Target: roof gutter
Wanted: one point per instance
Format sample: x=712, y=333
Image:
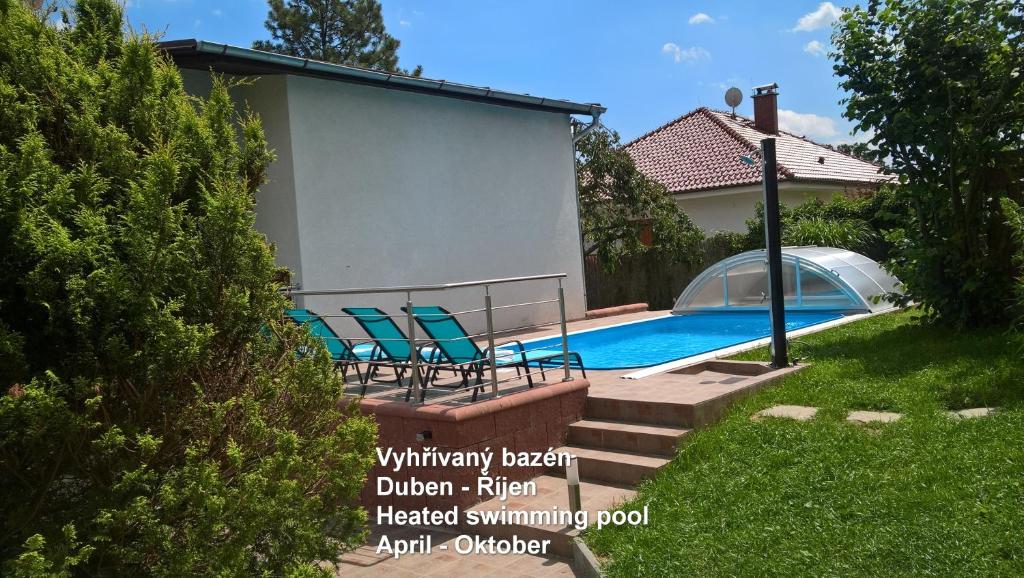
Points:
x=291, y=64
x=595, y=121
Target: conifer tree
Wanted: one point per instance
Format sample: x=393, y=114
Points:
x=154, y=416
x=339, y=31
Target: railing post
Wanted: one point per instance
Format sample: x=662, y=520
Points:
x=565, y=336
x=490, y=341
x=414, y=360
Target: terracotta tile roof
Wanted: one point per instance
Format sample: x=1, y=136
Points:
x=701, y=150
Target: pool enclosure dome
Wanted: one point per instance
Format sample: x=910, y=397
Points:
x=814, y=278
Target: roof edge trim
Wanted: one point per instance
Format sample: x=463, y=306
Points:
x=282, y=63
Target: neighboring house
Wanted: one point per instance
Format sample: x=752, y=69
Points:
x=697, y=158
x=386, y=180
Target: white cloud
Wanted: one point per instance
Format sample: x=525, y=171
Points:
x=701, y=18
x=850, y=138
x=691, y=54
x=718, y=85
x=807, y=124
x=823, y=17
x=815, y=48
x=217, y=12
x=404, y=23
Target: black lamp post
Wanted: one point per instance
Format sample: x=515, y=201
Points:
x=773, y=248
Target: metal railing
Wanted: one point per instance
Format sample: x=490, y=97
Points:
x=488, y=309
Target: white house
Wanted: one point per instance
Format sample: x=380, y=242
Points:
x=697, y=158
x=386, y=180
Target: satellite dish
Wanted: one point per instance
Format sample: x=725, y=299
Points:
x=733, y=98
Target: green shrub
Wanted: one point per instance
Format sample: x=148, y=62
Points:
x=154, y=419
x=1015, y=218
x=859, y=224
x=731, y=242
x=852, y=234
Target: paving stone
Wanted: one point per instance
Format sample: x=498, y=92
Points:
x=797, y=412
x=873, y=416
x=972, y=412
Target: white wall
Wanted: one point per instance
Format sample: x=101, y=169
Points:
x=276, y=208
x=398, y=188
x=729, y=211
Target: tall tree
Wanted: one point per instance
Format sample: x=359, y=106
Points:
x=618, y=203
x=941, y=84
x=339, y=31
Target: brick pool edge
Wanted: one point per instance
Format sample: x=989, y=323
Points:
x=531, y=420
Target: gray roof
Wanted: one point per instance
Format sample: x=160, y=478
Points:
x=203, y=55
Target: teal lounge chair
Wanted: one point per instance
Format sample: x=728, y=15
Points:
x=344, y=353
x=455, y=347
x=391, y=348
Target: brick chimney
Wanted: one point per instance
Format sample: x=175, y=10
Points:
x=766, y=108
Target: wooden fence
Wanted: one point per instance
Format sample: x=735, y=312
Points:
x=649, y=278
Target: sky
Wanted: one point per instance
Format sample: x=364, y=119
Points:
x=648, y=62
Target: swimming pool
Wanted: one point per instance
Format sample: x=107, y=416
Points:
x=665, y=339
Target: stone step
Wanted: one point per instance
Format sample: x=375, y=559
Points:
x=552, y=493
x=625, y=436
x=613, y=466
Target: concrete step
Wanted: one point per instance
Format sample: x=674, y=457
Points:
x=625, y=436
x=613, y=466
x=672, y=414
x=552, y=493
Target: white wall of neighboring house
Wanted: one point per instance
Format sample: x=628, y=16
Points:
x=729, y=209
x=375, y=187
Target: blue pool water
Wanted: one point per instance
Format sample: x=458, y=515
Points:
x=665, y=339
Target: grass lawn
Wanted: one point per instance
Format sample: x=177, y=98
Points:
x=923, y=496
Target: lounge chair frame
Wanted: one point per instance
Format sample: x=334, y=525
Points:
x=347, y=358
x=384, y=356
x=481, y=357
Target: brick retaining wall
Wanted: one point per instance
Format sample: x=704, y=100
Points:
x=531, y=420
